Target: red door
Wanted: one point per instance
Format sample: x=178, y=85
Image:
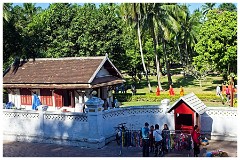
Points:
x=58, y=98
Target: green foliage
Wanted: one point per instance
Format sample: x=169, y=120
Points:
x=218, y=41
x=227, y=7
x=69, y=30
x=151, y=97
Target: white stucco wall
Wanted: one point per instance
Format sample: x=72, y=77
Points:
x=74, y=128
x=220, y=121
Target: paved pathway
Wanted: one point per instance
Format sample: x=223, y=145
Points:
x=24, y=149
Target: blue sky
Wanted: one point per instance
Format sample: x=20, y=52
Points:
x=192, y=6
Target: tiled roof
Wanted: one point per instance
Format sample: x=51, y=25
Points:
x=193, y=102
x=73, y=70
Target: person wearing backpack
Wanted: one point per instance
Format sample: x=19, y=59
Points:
x=157, y=135
x=145, y=140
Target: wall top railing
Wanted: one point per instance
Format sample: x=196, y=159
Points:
x=48, y=115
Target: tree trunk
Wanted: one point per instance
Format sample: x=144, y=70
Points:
x=167, y=63
x=186, y=51
x=156, y=58
x=178, y=48
x=200, y=83
x=144, y=66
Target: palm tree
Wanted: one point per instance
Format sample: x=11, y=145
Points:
x=167, y=26
x=207, y=7
x=160, y=24
x=133, y=12
x=6, y=12
x=151, y=21
x=187, y=35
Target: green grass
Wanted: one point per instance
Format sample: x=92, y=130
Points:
x=189, y=84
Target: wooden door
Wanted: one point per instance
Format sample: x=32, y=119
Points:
x=58, y=98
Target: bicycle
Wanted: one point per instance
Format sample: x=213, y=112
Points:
x=120, y=131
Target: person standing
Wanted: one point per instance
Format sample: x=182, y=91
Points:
x=145, y=140
x=158, y=91
x=181, y=91
x=166, y=138
x=110, y=97
x=157, y=135
x=196, y=140
x=228, y=94
x=151, y=140
x=219, y=93
x=171, y=91
x=218, y=90
x=223, y=88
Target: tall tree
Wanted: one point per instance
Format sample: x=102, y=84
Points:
x=151, y=19
x=207, y=7
x=7, y=11
x=218, y=42
x=227, y=7
x=167, y=26
x=133, y=12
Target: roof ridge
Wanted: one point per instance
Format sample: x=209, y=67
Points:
x=68, y=58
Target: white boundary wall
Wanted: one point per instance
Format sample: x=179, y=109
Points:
x=95, y=128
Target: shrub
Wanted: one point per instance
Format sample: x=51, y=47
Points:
x=151, y=97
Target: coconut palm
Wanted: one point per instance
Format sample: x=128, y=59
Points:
x=162, y=24
x=6, y=12
x=188, y=33
x=133, y=12
x=151, y=21
x=207, y=7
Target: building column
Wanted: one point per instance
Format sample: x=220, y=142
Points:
x=72, y=99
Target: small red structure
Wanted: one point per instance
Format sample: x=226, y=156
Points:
x=158, y=91
x=187, y=112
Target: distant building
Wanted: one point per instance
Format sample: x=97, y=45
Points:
x=60, y=82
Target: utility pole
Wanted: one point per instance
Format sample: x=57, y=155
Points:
x=232, y=88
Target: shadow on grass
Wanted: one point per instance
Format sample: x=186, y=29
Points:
x=184, y=82
x=217, y=82
x=209, y=88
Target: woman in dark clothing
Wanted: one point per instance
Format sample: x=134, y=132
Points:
x=166, y=138
x=196, y=140
x=151, y=140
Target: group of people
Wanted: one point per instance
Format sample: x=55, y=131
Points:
x=153, y=138
x=171, y=91
x=225, y=90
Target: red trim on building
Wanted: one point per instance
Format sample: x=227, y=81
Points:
x=46, y=97
x=26, y=96
x=58, y=98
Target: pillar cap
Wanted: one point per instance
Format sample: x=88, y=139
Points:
x=94, y=101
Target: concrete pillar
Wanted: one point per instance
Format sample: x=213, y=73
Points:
x=94, y=110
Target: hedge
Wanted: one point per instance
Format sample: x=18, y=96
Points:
x=151, y=97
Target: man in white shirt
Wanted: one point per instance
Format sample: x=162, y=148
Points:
x=218, y=92
x=157, y=135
